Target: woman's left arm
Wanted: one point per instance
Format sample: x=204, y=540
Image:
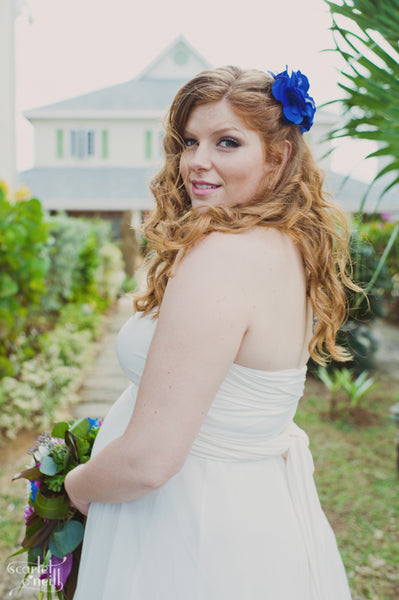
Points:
x=204, y=316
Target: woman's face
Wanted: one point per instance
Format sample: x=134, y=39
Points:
x=223, y=162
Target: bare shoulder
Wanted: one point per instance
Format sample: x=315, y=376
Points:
x=212, y=273
x=218, y=245
x=217, y=254
x=226, y=250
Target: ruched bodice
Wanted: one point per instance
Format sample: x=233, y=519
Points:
x=240, y=520
x=250, y=407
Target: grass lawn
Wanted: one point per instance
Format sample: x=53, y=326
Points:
x=355, y=476
x=359, y=486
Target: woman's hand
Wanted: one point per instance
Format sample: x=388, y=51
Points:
x=70, y=487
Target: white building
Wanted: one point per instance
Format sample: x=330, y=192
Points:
x=7, y=95
x=96, y=153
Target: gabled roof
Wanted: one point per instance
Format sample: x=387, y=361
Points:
x=179, y=60
x=90, y=188
x=134, y=95
x=152, y=90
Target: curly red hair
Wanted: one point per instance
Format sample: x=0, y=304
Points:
x=293, y=202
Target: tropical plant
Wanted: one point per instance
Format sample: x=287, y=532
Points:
x=342, y=381
x=366, y=34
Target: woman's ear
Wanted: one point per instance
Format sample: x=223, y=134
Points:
x=287, y=151
x=283, y=158
x=275, y=168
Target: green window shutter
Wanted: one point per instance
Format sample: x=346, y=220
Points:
x=104, y=140
x=148, y=144
x=60, y=143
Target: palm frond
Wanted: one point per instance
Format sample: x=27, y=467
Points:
x=366, y=34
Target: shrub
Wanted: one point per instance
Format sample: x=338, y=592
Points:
x=80, y=254
x=377, y=232
x=110, y=274
x=48, y=382
x=57, y=274
x=365, y=260
x=24, y=264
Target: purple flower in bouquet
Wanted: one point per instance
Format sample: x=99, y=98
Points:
x=28, y=511
x=58, y=570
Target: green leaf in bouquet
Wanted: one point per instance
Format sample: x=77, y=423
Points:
x=59, y=429
x=34, y=553
x=61, y=455
x=80, y=428
x=37, y=531
x=56, y=482
x=32, y=473
x=83, y=449
x=20, y=551
x=55, y=507
x=66, y=537
x=70, y=441
x=48, y=466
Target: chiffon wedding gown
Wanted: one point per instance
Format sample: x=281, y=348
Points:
x=240, y=521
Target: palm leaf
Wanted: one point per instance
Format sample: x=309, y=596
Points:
x=367, y=40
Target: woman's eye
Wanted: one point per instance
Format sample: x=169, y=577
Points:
x=229, y=143
x=189, y=142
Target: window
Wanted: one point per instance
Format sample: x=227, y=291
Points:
x=90, y=143
x=82, y=143
x=148, y=144
x=60, y=143
x=104, y=144
x=160, y=143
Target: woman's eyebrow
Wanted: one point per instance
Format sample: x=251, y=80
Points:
x=219, y=131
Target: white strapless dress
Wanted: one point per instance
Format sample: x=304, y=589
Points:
x=240, y=521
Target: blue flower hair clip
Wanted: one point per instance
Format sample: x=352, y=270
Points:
x=292, y=91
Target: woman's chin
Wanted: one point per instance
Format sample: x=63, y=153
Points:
x=203, y=206
x=200, y=207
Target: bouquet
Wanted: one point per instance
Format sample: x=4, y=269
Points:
x=54, y=528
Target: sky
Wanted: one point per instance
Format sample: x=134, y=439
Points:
x=65, y=48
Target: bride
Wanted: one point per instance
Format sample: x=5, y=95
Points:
x=200, y=486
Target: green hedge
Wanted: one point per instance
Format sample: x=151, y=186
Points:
x=49, y=381
x=57, y=276
x=377, y=232
x=24, y=264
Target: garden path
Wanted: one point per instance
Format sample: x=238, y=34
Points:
x=106, y=380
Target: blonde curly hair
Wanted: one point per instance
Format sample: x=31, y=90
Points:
x=293, y=201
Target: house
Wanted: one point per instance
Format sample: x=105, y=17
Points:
x=95, y=154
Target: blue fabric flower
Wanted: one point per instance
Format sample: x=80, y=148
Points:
x=292, y=91
x=93, y=423
x=34, y=486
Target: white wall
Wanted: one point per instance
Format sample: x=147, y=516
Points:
x=126, y=142
x=7, y=95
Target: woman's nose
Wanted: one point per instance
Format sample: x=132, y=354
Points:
x=200, y=158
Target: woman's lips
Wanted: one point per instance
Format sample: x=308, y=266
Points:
x=203, y=188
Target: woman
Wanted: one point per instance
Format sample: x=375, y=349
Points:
x=200, y=486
